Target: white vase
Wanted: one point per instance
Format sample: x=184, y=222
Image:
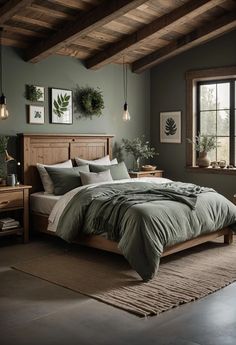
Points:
x=203, y=160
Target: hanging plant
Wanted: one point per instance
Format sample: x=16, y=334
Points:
x=89, y=101
x=34, y=93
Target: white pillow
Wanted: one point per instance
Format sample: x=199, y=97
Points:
x=89, y=178
x=114, y=161
x=101, y=161
x=46, y=179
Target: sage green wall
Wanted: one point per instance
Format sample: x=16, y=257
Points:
x=67, y=72
x=168, y=93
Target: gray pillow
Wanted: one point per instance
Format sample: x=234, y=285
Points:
x=92, y=177
x=66, y=179
x=118, y=171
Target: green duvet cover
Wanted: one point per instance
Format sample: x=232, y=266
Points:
x=145, y=217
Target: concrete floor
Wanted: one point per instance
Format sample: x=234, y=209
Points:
x=34, y=311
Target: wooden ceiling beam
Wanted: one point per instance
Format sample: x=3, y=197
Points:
x=82, y=25
x=11, y=7
x=203, y=34
x=158, y=26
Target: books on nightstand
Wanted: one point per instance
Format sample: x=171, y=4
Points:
x=8, y=224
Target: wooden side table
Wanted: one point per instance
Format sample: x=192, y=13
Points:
x=151, y=173
x=12, y=199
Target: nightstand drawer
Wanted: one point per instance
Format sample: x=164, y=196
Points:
x=11, y=199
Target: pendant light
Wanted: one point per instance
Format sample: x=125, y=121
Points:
x=3, y=102
x=126, y=114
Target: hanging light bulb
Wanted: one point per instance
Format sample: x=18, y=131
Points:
x=3, y=103
x=3, y=108
x=126, y=114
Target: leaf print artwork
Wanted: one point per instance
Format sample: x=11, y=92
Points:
x=170, y=127
x=61, y=104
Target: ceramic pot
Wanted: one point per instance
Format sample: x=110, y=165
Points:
x=203, y=161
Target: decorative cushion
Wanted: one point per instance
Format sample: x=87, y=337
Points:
x=92, y=177
x=45, y=178
x=66, y=179
x=114, y=161
x=104, y=161
x=118, y=171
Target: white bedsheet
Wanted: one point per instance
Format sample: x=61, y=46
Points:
x=43, y=203
x=63, y=201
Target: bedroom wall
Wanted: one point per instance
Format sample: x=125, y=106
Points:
x=67, y=72
x=168, y=93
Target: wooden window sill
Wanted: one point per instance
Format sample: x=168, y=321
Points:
x=210, y=170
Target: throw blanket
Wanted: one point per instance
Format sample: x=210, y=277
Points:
x=145, y=217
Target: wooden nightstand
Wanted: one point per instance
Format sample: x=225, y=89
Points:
x=152, y=173
x=15, y=200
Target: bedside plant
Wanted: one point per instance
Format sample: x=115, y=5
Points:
x=203, y=144
x=3, y=148
x=139, y=148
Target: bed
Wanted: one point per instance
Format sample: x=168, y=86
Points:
x=54, y=148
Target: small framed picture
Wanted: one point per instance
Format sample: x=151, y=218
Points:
x=35, y=93
x=170, y=127
x=36, y=114
x=61, y=106
x=41, y=93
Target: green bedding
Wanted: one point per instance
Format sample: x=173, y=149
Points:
x=145, y=217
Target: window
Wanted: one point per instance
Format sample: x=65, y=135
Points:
x=216, y=116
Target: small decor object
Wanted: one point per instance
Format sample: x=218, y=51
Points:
x=170, y=127
x=35, y=93
x=148, y=167
x=222, y=163
x=11, y=179
x=89, y=101
x=139, y=148
x=36, y=114
x=203, y=144
x=61, y=106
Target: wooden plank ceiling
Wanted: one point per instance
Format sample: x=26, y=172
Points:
x=142, y=33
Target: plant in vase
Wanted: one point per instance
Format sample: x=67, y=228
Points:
x=204, y=144
x=139, y=148
x=3, y=150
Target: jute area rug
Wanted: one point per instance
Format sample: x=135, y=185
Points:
x=107, y=277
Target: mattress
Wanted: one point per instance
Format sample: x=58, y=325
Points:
x=43, y=203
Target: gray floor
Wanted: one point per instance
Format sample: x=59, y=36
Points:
x=34, y=311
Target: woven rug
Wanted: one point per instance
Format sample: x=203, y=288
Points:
x=107, y=277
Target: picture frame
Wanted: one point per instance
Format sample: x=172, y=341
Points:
x=36, y=114
x=61, y=106
x=170, y=127
x=35, y=93
x=42, y=91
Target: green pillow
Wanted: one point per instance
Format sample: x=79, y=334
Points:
x=118, y=171
x=66, y=179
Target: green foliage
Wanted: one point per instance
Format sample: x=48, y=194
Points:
x=170, y=126
x=33, y=93
x=89, y=101
x=204, y=143
x=139, y=148
x=3, y=143
x=61, y=104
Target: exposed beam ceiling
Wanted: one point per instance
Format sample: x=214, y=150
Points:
x=206, y=32
x=158, y=26
x=82, y=25
x=11, y=7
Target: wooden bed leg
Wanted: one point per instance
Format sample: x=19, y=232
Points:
x=228, y=239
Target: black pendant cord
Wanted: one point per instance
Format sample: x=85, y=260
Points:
x=1, y=59
x=125, y=80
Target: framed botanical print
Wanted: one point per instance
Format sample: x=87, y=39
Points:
x=170, y=127
x=61, y=107
x=36, y=114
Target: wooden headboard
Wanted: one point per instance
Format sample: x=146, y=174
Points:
x=57, y=148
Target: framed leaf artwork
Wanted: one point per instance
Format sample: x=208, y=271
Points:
x=170, y=127
x=61, y=107
x=36, y=114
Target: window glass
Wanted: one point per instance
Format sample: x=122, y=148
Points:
x=223, y=96
x=208, y=97
x=208, y=122
x=223, y=122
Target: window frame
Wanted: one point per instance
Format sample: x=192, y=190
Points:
x=192, y=78
x=232, y=134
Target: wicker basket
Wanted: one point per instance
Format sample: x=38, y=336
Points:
x=148, y=167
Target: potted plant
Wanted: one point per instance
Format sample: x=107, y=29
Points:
x=203, y=144
x=3, y=148
x=139, y=148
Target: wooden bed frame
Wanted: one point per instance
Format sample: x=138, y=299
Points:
x=56, y=148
